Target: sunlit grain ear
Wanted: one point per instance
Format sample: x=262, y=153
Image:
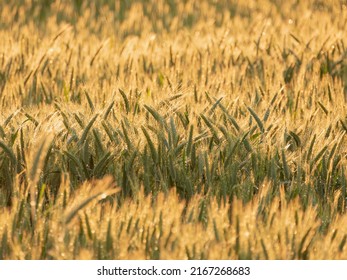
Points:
x=35, y=165
x=94, y=191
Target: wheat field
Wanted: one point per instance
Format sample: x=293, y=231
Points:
x=173, y=129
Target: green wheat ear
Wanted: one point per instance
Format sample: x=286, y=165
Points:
x=37, y=158
x=9, y=152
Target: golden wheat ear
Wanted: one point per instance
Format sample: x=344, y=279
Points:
x=94, y=191
x=37, y=158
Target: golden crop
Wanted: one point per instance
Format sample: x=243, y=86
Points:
x=173, y=129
